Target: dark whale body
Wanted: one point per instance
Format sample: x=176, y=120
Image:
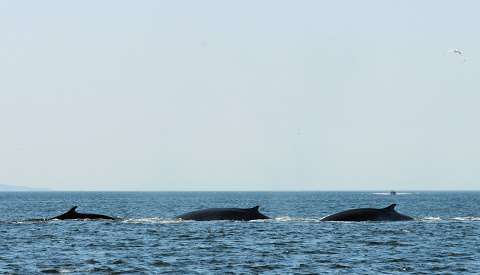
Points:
x=73, y=214
x=369, y=214
x=235, y=214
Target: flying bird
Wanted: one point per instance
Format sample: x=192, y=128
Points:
x=459, y=53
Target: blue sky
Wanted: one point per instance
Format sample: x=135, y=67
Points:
x=248, y=95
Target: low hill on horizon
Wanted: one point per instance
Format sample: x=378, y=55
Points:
x=4, y=187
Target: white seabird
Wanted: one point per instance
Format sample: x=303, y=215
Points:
x=459, y=53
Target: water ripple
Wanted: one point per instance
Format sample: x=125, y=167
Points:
x=151, y=240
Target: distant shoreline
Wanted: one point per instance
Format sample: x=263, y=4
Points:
x=17, y=188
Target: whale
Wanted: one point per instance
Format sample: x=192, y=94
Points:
x=72, y=214
x=234, y=214
x=369, y=214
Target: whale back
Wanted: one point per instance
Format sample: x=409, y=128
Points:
x=240, y=214
x=368, y=214
x=73, y=214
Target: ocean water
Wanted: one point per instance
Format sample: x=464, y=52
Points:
x=444, y=238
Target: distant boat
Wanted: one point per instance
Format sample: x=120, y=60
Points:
x=393, y=193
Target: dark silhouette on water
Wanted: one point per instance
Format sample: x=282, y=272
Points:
x=236, y=214
x=369, y=214
x=73, y=214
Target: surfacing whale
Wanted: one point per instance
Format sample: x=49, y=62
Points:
x=73, y=214
x=369, y=214
x=235, y=214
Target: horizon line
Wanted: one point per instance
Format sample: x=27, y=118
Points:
x=260, y=190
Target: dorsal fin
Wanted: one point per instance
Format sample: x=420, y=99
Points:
x=72, y=210
x=255, y=208
x=391, y=207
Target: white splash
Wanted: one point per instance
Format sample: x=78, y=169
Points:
x=293, y=219
x=153, y=220
x=431, y=219
x=466, y=218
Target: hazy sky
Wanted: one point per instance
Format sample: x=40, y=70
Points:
x=239, y=95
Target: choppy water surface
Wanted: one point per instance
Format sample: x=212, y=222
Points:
x=444, y=238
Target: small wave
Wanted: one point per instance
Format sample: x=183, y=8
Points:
x=56, y=271
x=294, y=219
x=466, y=219
x=30, y=221
x=152, y=220
x=431, y=219
x=463, y=219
